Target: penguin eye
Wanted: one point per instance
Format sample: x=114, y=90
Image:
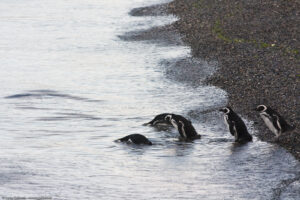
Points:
x=260, y=108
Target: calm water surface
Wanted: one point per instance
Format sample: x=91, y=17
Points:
x=69, y=87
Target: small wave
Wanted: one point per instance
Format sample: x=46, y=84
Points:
x=53, y=118
x=69, y=116
x=41, y=91
x=79, y=115
x=49, y=93
x=31, y=108
x=19, y=96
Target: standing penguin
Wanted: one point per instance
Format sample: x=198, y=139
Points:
x=236, y=126
x=184, y=127
x=273, y=120
x=135, y=139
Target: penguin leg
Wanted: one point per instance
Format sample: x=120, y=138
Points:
x=276, y=138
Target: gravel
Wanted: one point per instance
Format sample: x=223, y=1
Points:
x=256, y=45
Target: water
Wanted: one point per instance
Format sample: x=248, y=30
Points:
x=70, y=86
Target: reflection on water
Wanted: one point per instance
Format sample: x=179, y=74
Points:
x=71, y=86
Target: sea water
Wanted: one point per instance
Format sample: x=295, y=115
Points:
x=70, y=86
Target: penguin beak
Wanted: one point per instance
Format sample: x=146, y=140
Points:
x=221, y=110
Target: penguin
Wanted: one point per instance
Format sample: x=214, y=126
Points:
x=184, y=127
x=135, y=139
x=273, y=120
x=159, y=120
x=236, y=126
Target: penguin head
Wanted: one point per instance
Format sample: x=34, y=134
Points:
x=261, y=108
x=168, y=118
x=226, y=110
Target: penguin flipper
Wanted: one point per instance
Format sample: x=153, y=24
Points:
x=277, y=122
x=285, y=126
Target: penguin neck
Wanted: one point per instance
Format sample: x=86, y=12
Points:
x=173, y=122
x=235, y=133
x=183, y=130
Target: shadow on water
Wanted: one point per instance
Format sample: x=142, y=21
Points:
x=155, y=10
x=220, y=140
x=134, y=149
x=238, y=147
x=190, y=70
x=160, y=35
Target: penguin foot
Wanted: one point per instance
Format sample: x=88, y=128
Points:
x=276, y=139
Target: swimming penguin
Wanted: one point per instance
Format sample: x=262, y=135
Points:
x=135, y=139
x=236, y=126
x=159, y=120
x=184, y=127
x=273, y=120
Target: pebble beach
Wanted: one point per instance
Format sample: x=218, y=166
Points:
x=256, y=46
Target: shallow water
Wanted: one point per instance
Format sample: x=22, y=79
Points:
x=70, y=86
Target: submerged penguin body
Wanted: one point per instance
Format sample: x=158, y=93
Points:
x=135, y=139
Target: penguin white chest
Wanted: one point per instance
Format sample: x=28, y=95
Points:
x=183, y=131
x=226, y=121
x=269, y=123
x=235, y=133
x=173, y=122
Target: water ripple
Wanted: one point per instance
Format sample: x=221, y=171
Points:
x=49, y=94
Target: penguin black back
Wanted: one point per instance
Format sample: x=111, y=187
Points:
x=236, y=125
x=136, y=139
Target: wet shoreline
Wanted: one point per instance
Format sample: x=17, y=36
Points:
x=244, y=39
